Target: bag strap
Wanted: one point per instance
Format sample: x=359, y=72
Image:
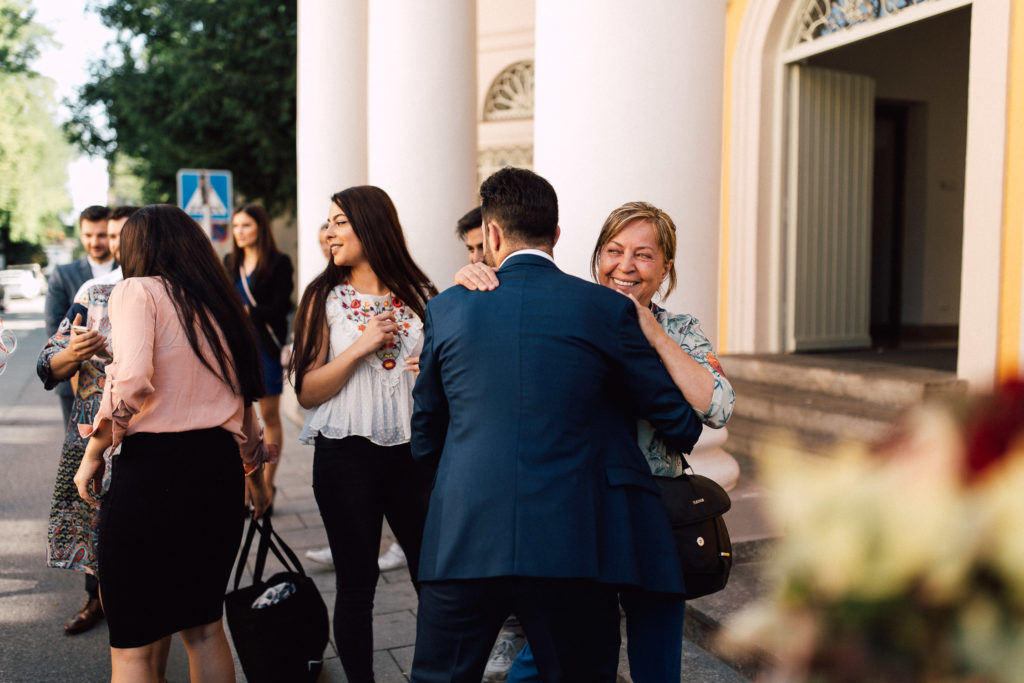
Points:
x=244, y=555
x=252, y=302
x=269, y=541
x=245, y=285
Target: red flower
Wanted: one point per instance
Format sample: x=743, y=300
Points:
x=355, y=303
x=389, y=363
x=712, y=360
x=396, y=302
x=995, y=425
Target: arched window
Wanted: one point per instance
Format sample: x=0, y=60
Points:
x=820, y=18
x=511, y=94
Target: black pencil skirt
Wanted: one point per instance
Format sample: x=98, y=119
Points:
x=169, y=533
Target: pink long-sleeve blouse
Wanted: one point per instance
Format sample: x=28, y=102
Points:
x=156, y=383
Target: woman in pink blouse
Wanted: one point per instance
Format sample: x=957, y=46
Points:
x=179, y=400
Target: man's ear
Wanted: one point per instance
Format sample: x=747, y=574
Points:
x=494, y=235
x=558, y=233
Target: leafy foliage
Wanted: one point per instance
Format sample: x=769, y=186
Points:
x=33, y=152
x=20, y=37
x=196, y=84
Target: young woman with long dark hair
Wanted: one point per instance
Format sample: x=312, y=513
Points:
x=179, y=399
x=263, y=277
x=356, y=325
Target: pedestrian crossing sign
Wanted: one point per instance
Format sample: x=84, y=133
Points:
x=205, y=194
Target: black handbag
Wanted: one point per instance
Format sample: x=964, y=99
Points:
x=279, y=626
x=695, y=506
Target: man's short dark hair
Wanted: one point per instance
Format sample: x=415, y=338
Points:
x=123, y=211
x=471, y=220
x=94, y=213
x=523, y=204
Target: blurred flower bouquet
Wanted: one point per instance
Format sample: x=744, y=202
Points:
x=900, y=563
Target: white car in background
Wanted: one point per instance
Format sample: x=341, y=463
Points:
x=20, y=284
x=35, y=269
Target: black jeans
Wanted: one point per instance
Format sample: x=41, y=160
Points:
x=357, y=483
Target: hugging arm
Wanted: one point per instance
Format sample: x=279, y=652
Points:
x=651, y=390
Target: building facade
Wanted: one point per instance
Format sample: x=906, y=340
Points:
x=841, y=172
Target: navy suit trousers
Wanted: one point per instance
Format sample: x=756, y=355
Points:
x=572, y=625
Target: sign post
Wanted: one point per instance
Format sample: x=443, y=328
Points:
x=205, y=195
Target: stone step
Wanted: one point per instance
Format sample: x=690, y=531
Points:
x=887, y=384
x=811, y=412
x=706, y=616
x=749, y=438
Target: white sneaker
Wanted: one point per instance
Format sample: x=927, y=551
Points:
x=393, y=558
x=504, y=653
x=321, y=556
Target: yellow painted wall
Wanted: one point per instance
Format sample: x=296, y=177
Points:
x=1011, y=310
x=733, y=18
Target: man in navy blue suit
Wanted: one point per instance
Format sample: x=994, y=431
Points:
x=543, y=505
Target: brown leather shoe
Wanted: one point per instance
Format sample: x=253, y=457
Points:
x=86, y=618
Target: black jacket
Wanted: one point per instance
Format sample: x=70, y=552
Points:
x=273, y=294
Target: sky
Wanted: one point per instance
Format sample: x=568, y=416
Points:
x=79, y=37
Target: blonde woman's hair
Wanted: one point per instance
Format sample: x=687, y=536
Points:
x=664, y=228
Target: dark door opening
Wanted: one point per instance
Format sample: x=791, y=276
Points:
x=888, y=213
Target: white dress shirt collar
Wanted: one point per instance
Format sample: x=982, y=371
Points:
x=533, y=252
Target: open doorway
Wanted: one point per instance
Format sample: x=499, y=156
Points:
x=888, y=207
x=920, y=75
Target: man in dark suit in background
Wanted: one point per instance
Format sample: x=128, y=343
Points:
x=65, y=280
x=543, y=505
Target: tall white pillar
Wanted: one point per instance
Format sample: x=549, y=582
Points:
x=628, y=106
x=422, y=122
x=331, y=115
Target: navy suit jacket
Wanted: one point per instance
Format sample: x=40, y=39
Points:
x=527, y=402
x=61, y=289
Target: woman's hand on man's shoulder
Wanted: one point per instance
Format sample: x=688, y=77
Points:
x=477, y=277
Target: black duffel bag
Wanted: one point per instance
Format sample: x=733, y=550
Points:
x=279, y=626
x=695, y=506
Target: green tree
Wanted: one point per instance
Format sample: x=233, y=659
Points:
x=19, y=37
x=33, y=152
x=196, y=84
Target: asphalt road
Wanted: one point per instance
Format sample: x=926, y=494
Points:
x=36, y=601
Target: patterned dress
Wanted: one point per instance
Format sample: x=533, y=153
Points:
x=685, y=330
x=74, y=524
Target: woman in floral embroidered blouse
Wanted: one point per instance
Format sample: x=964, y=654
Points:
x=356, y=325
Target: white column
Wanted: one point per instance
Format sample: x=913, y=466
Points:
x=331, y=115
x=422, y=122
x=629, y=107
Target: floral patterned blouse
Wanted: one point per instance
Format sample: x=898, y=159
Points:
x=376, y=401
x=685, y=330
